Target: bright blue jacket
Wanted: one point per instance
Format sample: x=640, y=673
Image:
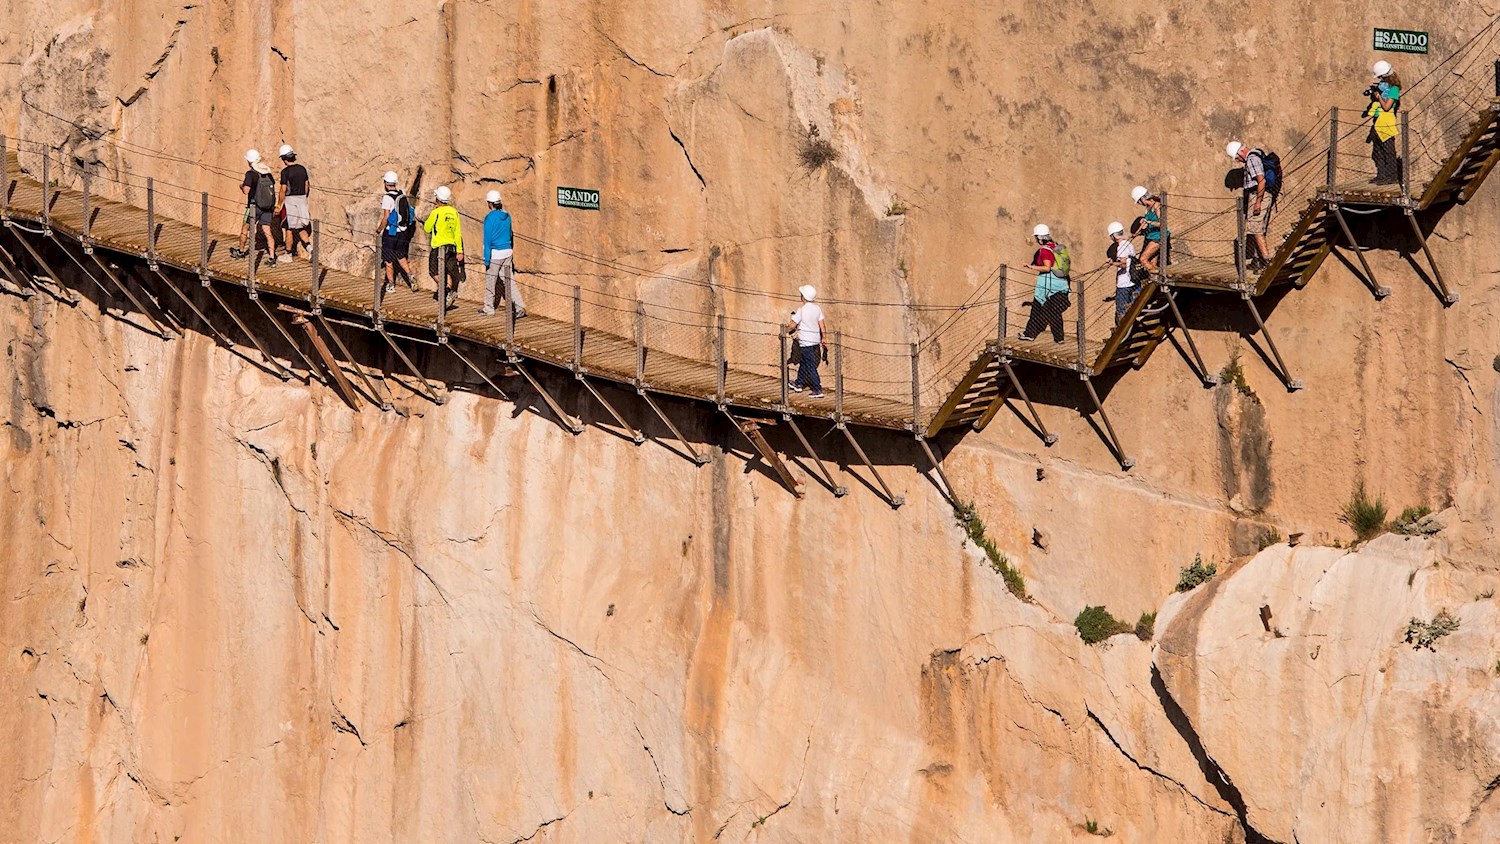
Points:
x=497, y=234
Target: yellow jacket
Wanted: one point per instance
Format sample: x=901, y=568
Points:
x=444, y=229
x=1386, y=126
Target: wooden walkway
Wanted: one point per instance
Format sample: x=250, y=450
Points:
x=123, y=228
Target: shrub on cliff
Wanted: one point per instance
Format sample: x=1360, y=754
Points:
x=1424, y=634
x=1095, y=624
x=816, y=150
x=1196, y=574
x=968, y=519
x=1364, y=515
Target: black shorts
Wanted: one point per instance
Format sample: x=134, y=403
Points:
x=262, y=217
x=394, y=247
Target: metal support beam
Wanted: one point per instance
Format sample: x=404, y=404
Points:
x=838, y=490
x=281, y=369
x=119, y=283
x=568, y=422
x=1449, y=296
x=1200, y=368
x=381, y=398
x=477, y=371
x=1114, y=441
x=750, y=429
x=193, y=306
x=1048, y=438
x=890, y=498
x=427, y=390
x=1292, y=384
x=697, y=457
x=64, y=296
x=24, y=288
x=1380, y=291
x=937, y=466
x=636, y=436
x=312, y=369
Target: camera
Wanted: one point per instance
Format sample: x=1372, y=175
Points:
x=1373, y=90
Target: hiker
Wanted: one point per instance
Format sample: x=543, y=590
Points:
x=807, y=324
x=1052, y=264
x=1385, y=101
x=259, y=188
x=397, y=226
x=296, y=186
x=1259, y=197
x=1122, y=255
x=445, y=242
x=499, y=258
x=1149, y=225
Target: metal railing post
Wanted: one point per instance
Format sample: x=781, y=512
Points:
x=640, y=344
x=1405, y=164
x=1082, y=322
x=722, y=370
x=440, y=324
x=47, y=189
x=314, y=297
x=838, y=376
x=1000, y=320
x=1333, y=152
x=1497, y=77
x=577, y=328
x=782, y=343
x=916, y=393
x=1240, y=245
x=88, y=240
x=5, y=178
x=250, y=270
x=1165, y=252
x=377, y=301
x=203, y=240
x=151, y=221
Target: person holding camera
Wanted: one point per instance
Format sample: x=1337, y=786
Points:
x=1385, y=101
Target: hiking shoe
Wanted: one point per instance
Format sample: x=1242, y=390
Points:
x=237, y=253
x=520, y=313
x=487, y=311
x=818, y=395
x=796, y=388
x=390, y=288
x=1023, y=338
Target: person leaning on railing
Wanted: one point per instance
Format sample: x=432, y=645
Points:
x=1385, y=101
x=1050, y=299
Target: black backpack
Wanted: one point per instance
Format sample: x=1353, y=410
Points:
x=264, y=191
x=405, y=217
x=1272, y=163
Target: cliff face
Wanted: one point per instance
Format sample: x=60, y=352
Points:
x=237, y=609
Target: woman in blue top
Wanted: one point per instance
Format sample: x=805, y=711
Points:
x=1385, y=101
x=1149, y=225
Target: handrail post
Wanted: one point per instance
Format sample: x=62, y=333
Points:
x=250, y=270
x=640, y=344
x=47, y=189
x=916, y=394
x=377, y=301
x=1405, y=164
x=1165, y=251
x=577, y=328
x=88, y=240
x=1240, y=244
x=440, y=324
x=1497, y=78
x=722, y=370
x=5, y=179
x=1082, y=323
x=781, y=338
x=1333, y=153
x=1000, y=320
x=151, y=221
x=314, y=297
x=838, y=376
x=203, y=240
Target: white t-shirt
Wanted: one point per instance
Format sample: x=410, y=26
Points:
x=1124, y=251
x=807, y=318
x=387, y=203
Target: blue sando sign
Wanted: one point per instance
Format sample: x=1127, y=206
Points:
x=578, y=198
x=1400, y=41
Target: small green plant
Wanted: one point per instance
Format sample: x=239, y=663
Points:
x=1145, y=627
x=1190, y=577
x=968, y=519
x=816, y=150
x=1233, y=374
x=1485, y=595
x=1092, y=827
x=1272, y=536
x=897, y=208
x=1412, y=522
x=1424, y=634
x=1363, y=514
x=1095, y=624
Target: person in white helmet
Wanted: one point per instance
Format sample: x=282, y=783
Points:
x=445, y=242
x=1385, y=101
x=1050, y=298
x=259, y=188
x=1259, y=199
x=809, y=330
x=398, y=223
x=1148, y=226
x=499, y=258
x=296, y=187
x=1122, y=255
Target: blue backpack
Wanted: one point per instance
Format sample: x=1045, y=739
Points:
x=1272, y=163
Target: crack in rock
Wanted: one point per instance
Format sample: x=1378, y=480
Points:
x=161, y=60
x=689, y=158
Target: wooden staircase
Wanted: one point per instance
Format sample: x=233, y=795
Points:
x=1303, y=251
x=1465, y=170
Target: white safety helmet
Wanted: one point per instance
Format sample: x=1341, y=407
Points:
x=1138, y=193
x=1041, y=230
x=1115, y=228
x=1381, y=69
x=443, y=194
x=1232, y=149
x=808, y=292
x=390, y=177
x=492, y=197
x=252, y=156
x=285, y=151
